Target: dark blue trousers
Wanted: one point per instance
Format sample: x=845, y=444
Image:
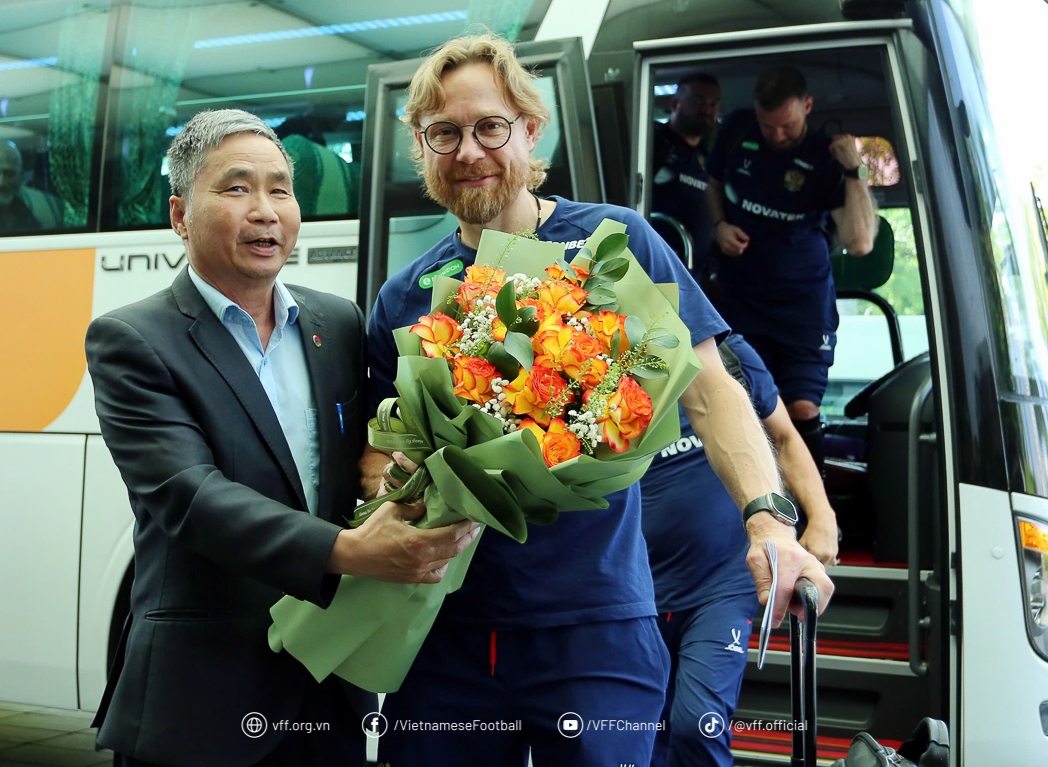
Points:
x=588, y=695
x=707, y=646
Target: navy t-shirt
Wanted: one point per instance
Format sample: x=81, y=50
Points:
x=782, y=201
x=679, y=188
x=696, y=541
x=589, y=565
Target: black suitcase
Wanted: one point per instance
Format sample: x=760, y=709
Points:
x=929, y=746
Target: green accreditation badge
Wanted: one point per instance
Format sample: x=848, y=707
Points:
x=753, y=146
x=450, y=268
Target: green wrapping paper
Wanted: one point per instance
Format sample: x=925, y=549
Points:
x=372, y=630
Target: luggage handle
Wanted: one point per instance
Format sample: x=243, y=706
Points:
x=802, y=674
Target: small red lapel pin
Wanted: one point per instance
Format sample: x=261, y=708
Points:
x=316, y=341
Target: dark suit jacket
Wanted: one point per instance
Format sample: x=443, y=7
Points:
x=220, y=534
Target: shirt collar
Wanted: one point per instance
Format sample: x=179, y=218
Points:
x=284, y=305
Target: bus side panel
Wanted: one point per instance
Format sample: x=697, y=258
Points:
x=107, y=550
x=42, y=477
x=1003, y=681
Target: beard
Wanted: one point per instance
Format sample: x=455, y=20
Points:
x=695, y=125
x=477, y=205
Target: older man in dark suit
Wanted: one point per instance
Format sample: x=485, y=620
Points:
x=232, y=406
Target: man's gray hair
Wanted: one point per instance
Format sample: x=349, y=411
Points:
x=204, y=132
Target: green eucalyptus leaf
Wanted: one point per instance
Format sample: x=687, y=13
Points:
x=648, y=373
x=567, y=268
x=504, y=362
x=614, y=269
x=527, y=327
x=635, y=329
x=526, y=314
x=597, y=281
x=506, y=304
x=519, y=346
x=611, y=246
x=602, y=297
x=616, y=344
x=663, y=338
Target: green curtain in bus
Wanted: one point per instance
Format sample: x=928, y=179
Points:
x=159, y=42
x=74, y=108
x=503, y=17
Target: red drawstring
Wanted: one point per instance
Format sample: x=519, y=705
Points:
x=668, y=616
x=491, y=653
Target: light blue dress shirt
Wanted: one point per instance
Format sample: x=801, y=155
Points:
x=281, y=368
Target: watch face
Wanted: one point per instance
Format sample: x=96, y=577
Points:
x=864, y=171
x=784, y=508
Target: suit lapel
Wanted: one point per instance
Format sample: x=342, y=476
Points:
x=321, y=362
x=223, y=352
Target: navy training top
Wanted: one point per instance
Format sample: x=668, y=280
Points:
x=696, y=541
x=782, y=201
x=588, y=566
x=679, y=188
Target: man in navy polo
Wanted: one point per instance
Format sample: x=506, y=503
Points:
x=681, y=146
x=559, y=633
x=773, y=181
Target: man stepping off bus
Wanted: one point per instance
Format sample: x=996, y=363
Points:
x=772, y=183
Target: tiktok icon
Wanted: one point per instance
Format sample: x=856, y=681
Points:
x=711, y=725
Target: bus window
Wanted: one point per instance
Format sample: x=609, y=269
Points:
x=301, y=71
x=49, y=85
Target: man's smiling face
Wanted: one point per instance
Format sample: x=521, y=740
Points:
x=474, y=183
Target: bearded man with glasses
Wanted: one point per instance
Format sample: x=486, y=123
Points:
x=549, y=647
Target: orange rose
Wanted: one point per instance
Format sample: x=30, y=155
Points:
x=438, y=333
x=628, y=414
x=563, y=297
x=603, y=324
x=469, y=292
x=559, y=274
x=483, y=274
x=534, y=393
x=543, y=311
x=580, y=355
x=549, y=342
x=559, y=444
x=473, y=378
x=534, y=428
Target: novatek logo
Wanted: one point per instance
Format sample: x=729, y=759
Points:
x=698, y=183
x=760, y=210
x=800, y=162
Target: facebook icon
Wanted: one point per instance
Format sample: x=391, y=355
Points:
x=374, y=725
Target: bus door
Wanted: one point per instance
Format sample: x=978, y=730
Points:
x=884, y=640
x=398, y=223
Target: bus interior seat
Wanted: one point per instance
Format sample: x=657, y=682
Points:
x=872, y=499
x=857, y=276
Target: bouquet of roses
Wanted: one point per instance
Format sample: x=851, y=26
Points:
x=532, y=388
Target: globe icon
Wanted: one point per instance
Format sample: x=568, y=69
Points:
x=254, y=725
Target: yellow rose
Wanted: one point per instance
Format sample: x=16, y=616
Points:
x=438, y=333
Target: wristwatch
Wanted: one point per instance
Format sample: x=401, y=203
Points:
x=778, y=506
x=863, y=172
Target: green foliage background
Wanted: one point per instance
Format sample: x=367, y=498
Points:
x=903, y=288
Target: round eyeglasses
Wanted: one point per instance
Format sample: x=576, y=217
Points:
x=491, y=132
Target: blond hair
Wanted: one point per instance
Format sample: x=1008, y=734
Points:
x=426, y=92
